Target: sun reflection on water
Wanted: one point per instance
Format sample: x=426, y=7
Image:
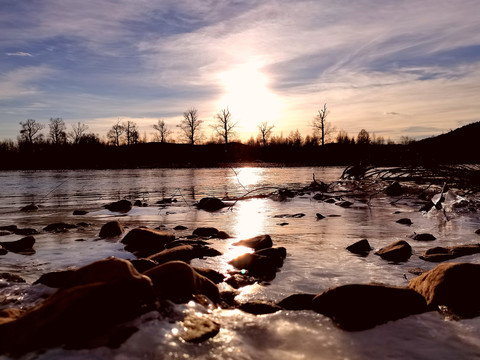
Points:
x=248, y=178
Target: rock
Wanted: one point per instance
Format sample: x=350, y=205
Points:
x=259, y=307
x=238, y=280
x=83, y=224
x=222, y=235
x=180, y=227
x=138, y=203
x=256, y=265
x=122, y=206
x=404, y=221
x=277, y=255
x=178, y=282
x=361, y=247
x=319, y=216
x=10, y=228
x=358, y=307
x=59, y=227
x=210, y=274
x=297, y=302
x=3, y=251
x=142, y=265
x=211, y=204
x=145, y=242
x=423, y=237
x=295, y=216
x=56, y=279
x=80, y=212
x=8, y=315
x=111, y=229
x=398, y=251
x=25, y=232
x=256, y=243
x=330, y=201
x=88, y=314
x=417, y=271
x=24, y=245
x=439, y=254
x=282, y=224
x=394, y=189
x=165, y=201
x=205, y=231
x=184, y=253
x=12, y=278
x=344, y=204
x=31, y=207
x=198, y=329
x=477, y=232
x=454, y=285
x=5, y=233
x=181, y=242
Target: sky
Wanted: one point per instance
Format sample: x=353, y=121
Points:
x=393, y=67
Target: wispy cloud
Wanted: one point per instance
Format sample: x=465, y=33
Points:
x=19, y=53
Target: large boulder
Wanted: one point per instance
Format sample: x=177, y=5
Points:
x=211, y=204
x=89, y=313
x=297, y=302
x=178, y=282
x=359, y=307
x=454, y=285
x=111, y=229
x=122, y=206
x=361, y=247
x=145, y=242
x=439, y=254
x=184, y=253
x=24, y=245
x=398, y=251
x=256, y=243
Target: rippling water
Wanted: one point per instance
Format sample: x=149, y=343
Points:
x=316, y=261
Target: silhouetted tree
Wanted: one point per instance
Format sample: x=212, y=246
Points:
x=131, y=132
x=343, y=138
x=363, y=137
x=265, y=132
x=57, y=132
x=30, y=131
x=405, y=140
x=320, y=124
x=190, y=126
x=163, y=131
x=79, y=130
x=224, y=126
x=115, y=133
x=295, y=138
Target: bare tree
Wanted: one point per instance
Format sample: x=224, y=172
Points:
x=363, y=137
x=79, y=130
x=131, y=132
x=190, y=126
x=30, y=131
x=115, y=133
x=224, y=126
x=163, y=131
x=265, y=131
x=320, y=124
x=57, y=132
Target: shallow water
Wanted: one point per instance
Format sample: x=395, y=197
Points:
x=316, y=261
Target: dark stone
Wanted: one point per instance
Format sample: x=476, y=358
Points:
x=83, y=224
x=394, y=189
x=194, y=241
x=122, y=206
x=256, y=243
x=138, y=203
x=211, y=274
x=295, y=216
x=111, y=229
x=180, y=227
x=178, y=282
x=277, y=255
x=142, y=265
x=24, y=245
x=439, y=254
x=297, y=302
x=10, y=228
x=417, y=271
x=344, y=204
x=330, y=201
x=25, y=232
x=12, y=278
x=3, y=251
x=238, y=280
x=283, y=224
x=165, y=201
x=477, y=232
x=211, y=204
x=56, y=279
x=454, y=285
x=31, y=207
x=59, y=227
x=404, y=221
x=257, y=265
x=259, y=307
x=361, y=247
x=80, y=212
x=198, y=329
x=423, y=237
x=358, y=307
x=184, y=253
x=319, y=216
x=145, y=242
x=205, y=231
x=222, y=235
x=398, y=251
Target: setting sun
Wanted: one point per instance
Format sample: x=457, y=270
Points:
x=248, y=97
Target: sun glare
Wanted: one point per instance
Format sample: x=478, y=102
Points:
x=248, y=97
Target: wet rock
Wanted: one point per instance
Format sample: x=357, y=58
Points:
x=404, y=221
x=59, y=227
x=165, y=201
x=88, y=314
x=111, y=229
x=181, y=242
x=12, y=278
x=142, y=265
x=295, y=216
x=477, y=232
x=83, y=224
x=423, y=237
x=145, y=242
x=25, y=231
x=417, y=271
x=211, y=204
x=439, y=254
x=361, y=247
x=184, y=253
x=3, y=251
x=283, y=224
x=257, y=265
x=222, y=235
x=259, y=307
x=178, y=282
x=319, y=216
x=56, y=279
x=358, y=307
x=454, y=285
x=5, y=233
x=31, y=207
x=210, y=274
x=297, y=302
x=398, y=251
x=138, y=203
x=394, y=189
x=344, y=204
x=330, y=201
x=198, y=329
x=180, y=227
x=80, y=212
x=122, y=206
x=10, y=228
x=256, y=243
x=11, y=314
x=205, y=231
x=238, y=280
x=277, y=255
x=24, y=245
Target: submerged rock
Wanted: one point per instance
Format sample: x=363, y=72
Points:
x=145, y=242
x=423, y=237
x=205, y=231
x=454, y=285
x=24, y=245
x=25, y=231
x=31, y=207
x=439, y=254
x=211, y=204
x=198, y=328
x=256, y=243
x=404, y=221
x=361, y=247
x=398, y=251
x=122, y=206
x=111, y=229
x=358, y=307
x=59, y=227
